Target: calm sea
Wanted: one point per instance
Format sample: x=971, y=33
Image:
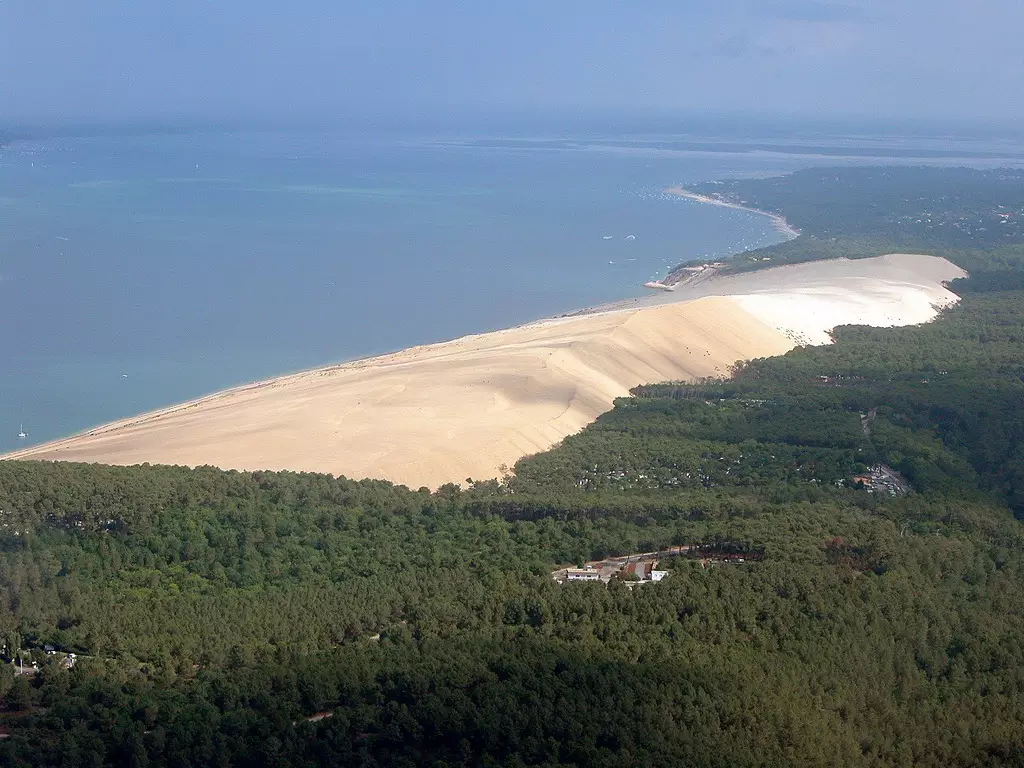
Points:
x=138, y=271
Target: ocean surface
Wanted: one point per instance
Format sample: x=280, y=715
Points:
x=139, y=271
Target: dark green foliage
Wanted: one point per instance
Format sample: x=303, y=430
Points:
x=885, y=646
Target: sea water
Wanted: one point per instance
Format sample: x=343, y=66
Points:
x=140, y=271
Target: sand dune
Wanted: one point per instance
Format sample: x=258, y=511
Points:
x=466, y=408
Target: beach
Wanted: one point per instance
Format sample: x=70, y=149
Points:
x=473, y=406
x=779, y=222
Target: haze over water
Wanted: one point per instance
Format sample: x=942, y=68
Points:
x=139, y=271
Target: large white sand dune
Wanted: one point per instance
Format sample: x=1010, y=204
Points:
x=466, y=408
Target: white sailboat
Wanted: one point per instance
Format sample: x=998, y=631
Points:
x=21, y=432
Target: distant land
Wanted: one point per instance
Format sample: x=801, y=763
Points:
x=850, y=148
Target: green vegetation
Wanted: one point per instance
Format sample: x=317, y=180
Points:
x=217, y=616
x=973, y=217
x=943, y=404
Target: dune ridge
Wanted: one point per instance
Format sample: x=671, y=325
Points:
x=473, y=406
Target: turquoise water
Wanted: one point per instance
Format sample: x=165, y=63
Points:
x=138, y=271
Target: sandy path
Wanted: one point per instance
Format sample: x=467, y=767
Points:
x=465, y=408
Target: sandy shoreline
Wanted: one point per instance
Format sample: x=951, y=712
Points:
x=778, y=221
x=474, y=405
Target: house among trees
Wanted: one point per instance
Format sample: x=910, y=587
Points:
x=640, y=569
x=582, y=574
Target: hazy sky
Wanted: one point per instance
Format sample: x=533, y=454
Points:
x=114, y=59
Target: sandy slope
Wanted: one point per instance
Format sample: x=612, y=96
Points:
x=465, y=408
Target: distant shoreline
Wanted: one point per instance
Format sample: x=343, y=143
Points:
x=680, y=275
x=779, y=222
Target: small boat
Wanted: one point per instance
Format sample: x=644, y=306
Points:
x=21, y=432
x=631, y=237
x=607, y=237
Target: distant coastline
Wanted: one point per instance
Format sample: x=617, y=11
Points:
x=782, y=226
x=683, y=275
